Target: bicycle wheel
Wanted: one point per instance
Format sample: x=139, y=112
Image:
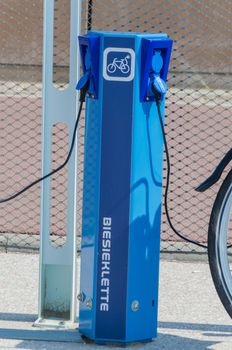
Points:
x=111, y=68
x=125, y=69
x=219, y=242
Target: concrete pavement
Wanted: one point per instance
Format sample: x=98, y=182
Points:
x=191, y=316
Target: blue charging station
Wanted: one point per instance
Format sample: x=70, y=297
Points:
x=122, y=184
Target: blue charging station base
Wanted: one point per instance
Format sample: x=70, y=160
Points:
x=122, y=185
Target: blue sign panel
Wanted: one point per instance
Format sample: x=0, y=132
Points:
x=117, y=110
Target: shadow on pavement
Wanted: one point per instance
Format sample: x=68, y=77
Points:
x=164, y=342
x=17, y=317
x=197, y=326
x=174, y=342
x=41, y=335
x=53, y=339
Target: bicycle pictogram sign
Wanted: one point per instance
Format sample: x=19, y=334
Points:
x=119, y=64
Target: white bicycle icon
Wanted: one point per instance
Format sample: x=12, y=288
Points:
x=121, y=65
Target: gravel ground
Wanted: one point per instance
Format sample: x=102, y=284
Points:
x=190, y=315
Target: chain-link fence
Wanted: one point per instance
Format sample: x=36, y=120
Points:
x=198, y=112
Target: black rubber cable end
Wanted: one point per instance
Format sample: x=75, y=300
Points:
x=83, y=92
x=156, y=94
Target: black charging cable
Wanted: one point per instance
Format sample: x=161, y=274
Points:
x=83, y=92
x=158, y=102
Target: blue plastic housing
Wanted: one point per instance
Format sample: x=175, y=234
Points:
x=122, y=190
x=148, y=48
x=90, y=43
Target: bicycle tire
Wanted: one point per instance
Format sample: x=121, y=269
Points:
x=217, y=244
x=111, y=68
x=125, y=69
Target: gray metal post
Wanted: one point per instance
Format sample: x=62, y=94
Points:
x=57, y=283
